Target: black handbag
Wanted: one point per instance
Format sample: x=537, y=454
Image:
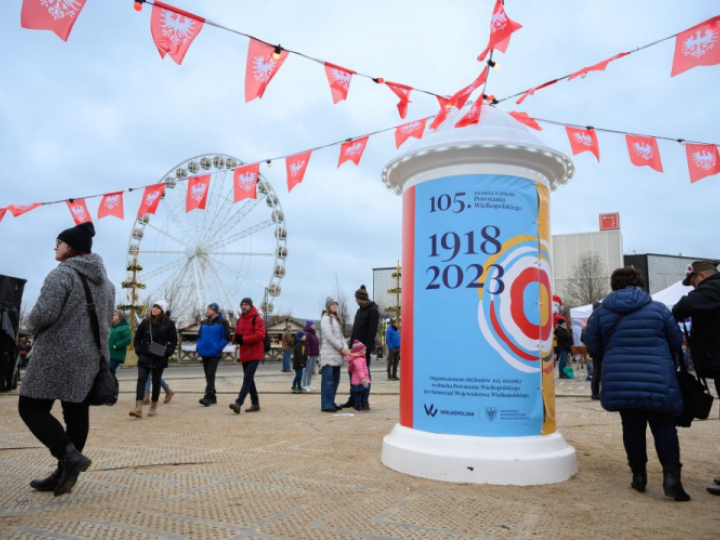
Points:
x=156, y=349
x=697, y=399
x=105, y=388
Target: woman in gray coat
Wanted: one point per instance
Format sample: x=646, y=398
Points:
x=65, y=356
x=332, y=354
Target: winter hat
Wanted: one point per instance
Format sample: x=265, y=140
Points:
x=247, y=301
x=300, y=334
x=561, y=320
x=361, y=293
x=309, y=323
x=80, y=237
x=214, y=307
x=698, y=266
x=357, y=348
x=162, y=304
x=329, y=301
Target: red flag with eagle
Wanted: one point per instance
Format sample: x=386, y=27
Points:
x=411, y=129
x=150, y=199
x=703, y=160
x=79, y=211
x=460, y=97
x=2, y=213
x=644, y=151
x=198, y=187
x=245, y=181
x=472, y=116
x=20, y=209
x=501, y=28
x=339, y=79
x=403, y=92
x=352, y=151
x=262, y=65
x=697, y=46
x=173, y=30
x=583, y=140
x=58, y=16
x=111, y=205
x=296, y=166
x=600, y=66
x=525, y=119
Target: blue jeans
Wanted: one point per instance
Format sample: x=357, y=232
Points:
x=298, y=378
x=563, y=362
x=309, y=371
x=361, y=396
x=114, y=365
x=286, y=360
x=164, y=385
x=329, y=386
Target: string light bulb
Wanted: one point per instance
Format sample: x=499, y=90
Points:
x=493, y=64
x=277, y=52
x=583, y=74
x=138, y=5
x=682, y=141
x=379, y=80
x=269, y=163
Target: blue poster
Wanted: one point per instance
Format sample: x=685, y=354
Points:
x=482, y=310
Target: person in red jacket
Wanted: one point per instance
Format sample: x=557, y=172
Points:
x=250, y=335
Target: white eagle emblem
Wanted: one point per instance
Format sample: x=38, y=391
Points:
x=177, y=28
x=644, y=150
x=22, y=207
x=354, y=149
x=498, y=21
x=296, y=167
x=700, y=43
x=197, y=192
x=112, y=201
x=246, y=181
x=704, y=160
x=150, y=198
x=59, y=9
x=583, y=138
x=342, y=78
x=78, y=211
x=409, y=128
x=263, y=68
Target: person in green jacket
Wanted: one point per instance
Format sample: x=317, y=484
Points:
x=120, y=338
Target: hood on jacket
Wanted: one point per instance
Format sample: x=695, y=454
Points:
x=122, y=322
x=627, y=300
x=253, y=311
x=91, y=266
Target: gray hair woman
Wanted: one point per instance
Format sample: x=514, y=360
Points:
x=65, y=355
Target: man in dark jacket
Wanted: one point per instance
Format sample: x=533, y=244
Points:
x=214, y=334
x=564, y=345
x=703, y=306
x=365, y=327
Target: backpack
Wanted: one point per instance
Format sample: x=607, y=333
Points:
x=266, y=341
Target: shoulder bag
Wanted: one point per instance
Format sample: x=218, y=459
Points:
x=697, y=399
x=156, y=349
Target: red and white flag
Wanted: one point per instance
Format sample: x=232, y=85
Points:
x=472, y=116
x=644, y=151
x=3, y=211
x=112, y=205
x=697, y=46
x=501, y=27
x=523, y=118
x=245, y=181
x=403, y=92
x=461, y=96
x=58, y=16
x=296, y=166
x=703, y=160
x=583, y=140
x=339, y=79
x=262, y=65
x=533, y=90
x=198, y=187
x=20, y=209
x=79, y=211
x=600, y=66
x=173, y=30
x=150, y=199
x=352, y=151
x=411, y=129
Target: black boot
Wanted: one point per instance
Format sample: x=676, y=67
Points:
x=72, y=464
x=639, y=477
x=49, y=483
x=672, y=485
x=348, y=404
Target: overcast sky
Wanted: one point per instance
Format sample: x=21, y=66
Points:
x=103, y=112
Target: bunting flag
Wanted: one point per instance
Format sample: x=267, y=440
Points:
x=339, y=79
x=600, y=66
x=411, y=129
x=79, y=211
x=3, y=211
x=403, y=92
x=296, y=166
x=173, y=30
x=697, y=46
x=150, y=199
x=245, y=181
x=443, y=101
x=112, y=205
x=20, y=209
x=197, y=192
x=501, y=28
x=472, y=116
x=58, y=16
x=523, y=118
x=703, y=160
x=644, y=151
x=262, y=65
x=583, y=140
x=461, y=96
x=440, y=117
x=352, y=151
x=533, y=90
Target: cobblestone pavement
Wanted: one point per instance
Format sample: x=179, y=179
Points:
x=292, y=472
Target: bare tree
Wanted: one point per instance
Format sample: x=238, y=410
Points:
x=588, y=282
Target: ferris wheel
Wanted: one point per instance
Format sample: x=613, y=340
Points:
x=221, y=254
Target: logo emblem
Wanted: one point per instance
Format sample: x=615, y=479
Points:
x=491, y=413
x=354, y=149
x=246, y=181
x=643, y=150
x=296, y=167
x=342, y=78
x=430, y=411
x=705, y=160
x=177, y=28
x=112, y=201
x=263, y=68
x=583, y=138
x=59, y=9
x=700, y=43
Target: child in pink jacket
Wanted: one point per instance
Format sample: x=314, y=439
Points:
x=359, y=377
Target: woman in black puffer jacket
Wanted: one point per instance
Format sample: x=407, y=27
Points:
x=155, y=341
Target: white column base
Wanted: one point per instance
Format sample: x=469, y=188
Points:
x=517, y=461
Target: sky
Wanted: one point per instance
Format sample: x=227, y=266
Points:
x=103, y=112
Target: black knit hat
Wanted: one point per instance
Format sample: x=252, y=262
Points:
x=361, y=293
x=247, y=301
x=80, y=237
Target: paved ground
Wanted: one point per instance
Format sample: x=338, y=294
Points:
x=292, y=472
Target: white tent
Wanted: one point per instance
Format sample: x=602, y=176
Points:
x=669, y=297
